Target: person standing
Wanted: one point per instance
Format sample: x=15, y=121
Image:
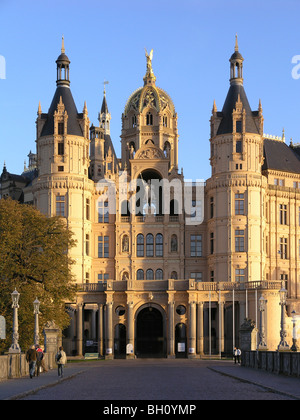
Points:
x=31, y=358
x=61, y=360
x=39, y=359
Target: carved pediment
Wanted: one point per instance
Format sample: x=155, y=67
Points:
x=149, y=152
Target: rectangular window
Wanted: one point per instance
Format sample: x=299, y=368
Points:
x=239, y=204
x=60, y=148
x=239, y=241
x=103, y=214
x=283, y=214
x=196, y=245
x=61, y=128
x=60, y=169
x=238, y=126
x=283, y=249
x=238, y=146
x=60, y=205
x=103, y=247
x=87, y=209
x=239, y=275
x=212, y=276
x=196, y=275
x=87, y=245
x=103, y=276
x=211, y=207
x=211, y=242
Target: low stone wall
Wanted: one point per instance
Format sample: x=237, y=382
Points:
x=286, y=363
x=15, y=365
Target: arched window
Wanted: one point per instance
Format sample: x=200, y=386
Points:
x=140, y=245
x=149, y=245
x=149, y=119
x=159, y=245
x=159, y=274
x=140, y=274
x=174, y=243
x=149, y=274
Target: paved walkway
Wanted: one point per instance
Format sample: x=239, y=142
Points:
x=18, y=388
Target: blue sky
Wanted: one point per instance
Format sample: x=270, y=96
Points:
x=105, y=40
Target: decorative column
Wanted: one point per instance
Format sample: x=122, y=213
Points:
x=192, y=331
x=109, y=327
x=36, y=311
x=283, y=346
x=171, y=350
x=200, y=332
x=221, y=324
x=79, y=329
x=295, y=346
x=15, y=348
x=262, y=307
x=130, y=354
x=100, y=329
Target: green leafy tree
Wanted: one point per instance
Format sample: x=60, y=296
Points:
x=34, y=259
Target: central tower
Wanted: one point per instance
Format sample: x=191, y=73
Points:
x=149, y=122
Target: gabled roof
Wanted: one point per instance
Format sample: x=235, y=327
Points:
x=67, y=99
x=226, y=126
x=280, y=157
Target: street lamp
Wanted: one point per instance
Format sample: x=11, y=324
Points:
x=283, y=346
x=295, y=345
x=15, y=348
x=262, y=307
x=36, y=307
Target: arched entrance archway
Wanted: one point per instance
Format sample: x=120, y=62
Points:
x=150, y=333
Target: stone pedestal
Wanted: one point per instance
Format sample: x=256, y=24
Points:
x=53, y=337
x=248, y=334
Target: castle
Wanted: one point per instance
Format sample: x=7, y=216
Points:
x=166, y=268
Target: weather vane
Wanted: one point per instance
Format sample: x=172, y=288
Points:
x=105, y=83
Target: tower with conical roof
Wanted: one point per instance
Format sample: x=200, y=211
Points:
x=236, y=188
x=62, y=187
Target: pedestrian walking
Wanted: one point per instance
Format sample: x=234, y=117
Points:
x=235, y=355
x=238, y=351
x=39, y=359
x=31, y=358
x=61, y=360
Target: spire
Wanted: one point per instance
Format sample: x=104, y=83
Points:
x=104, y=116
x=236, y=65
x=63, y=45
x=236, y=43
x=63, y=67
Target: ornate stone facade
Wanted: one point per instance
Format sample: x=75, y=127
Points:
x=153, y=278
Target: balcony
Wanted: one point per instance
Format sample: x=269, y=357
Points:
x=176, y=285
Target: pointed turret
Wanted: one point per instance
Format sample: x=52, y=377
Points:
x=236, y=95
x=63, y=96
x=104, y=116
